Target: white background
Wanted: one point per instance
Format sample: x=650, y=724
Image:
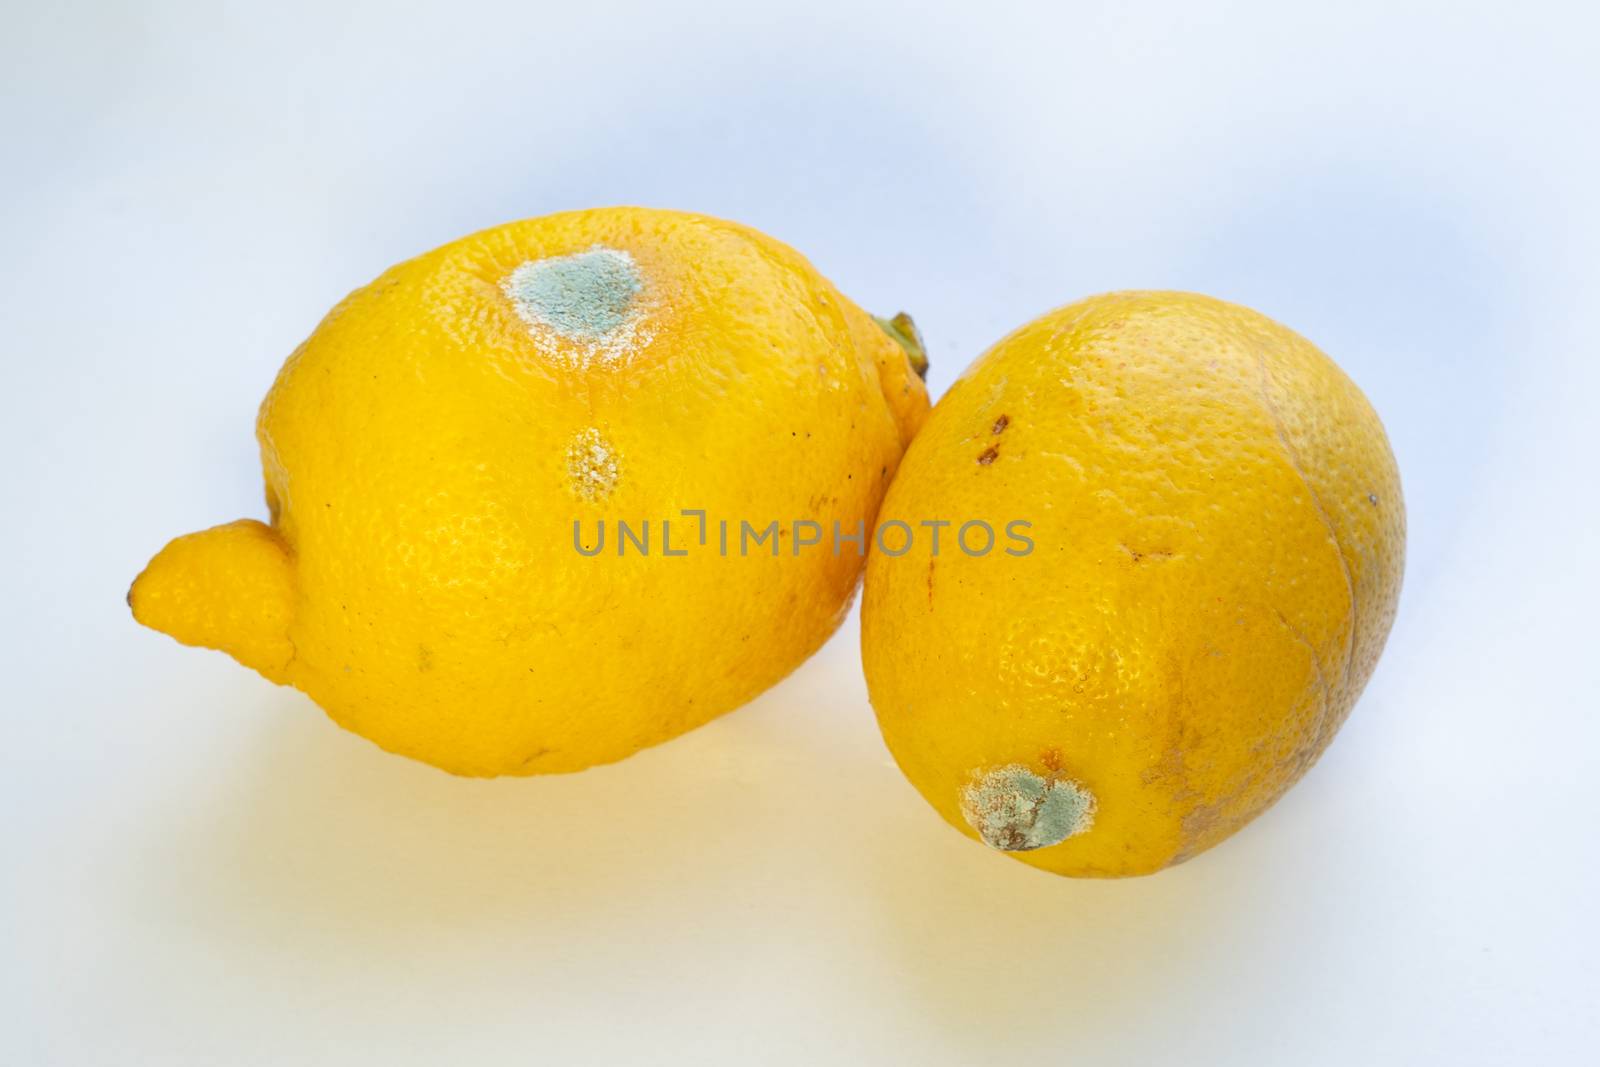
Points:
x=199, y=868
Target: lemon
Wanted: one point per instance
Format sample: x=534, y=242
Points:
x=449, y=456
x=1205, y=563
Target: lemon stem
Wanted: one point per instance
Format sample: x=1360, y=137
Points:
x=908, y=337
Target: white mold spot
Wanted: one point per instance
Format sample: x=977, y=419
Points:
x=587, y=308
x=592, y=465
x=1016, y=810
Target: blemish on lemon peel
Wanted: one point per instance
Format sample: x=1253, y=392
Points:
x=1016, y=810
x=592, y=465
x=583, y=296
x=591, y=299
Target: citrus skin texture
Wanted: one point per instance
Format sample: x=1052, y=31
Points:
x=1218, y=538
x=429, y=448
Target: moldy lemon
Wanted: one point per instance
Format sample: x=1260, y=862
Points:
x=447, y=439
x=1218, y=538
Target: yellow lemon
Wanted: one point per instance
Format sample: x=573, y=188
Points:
x=1196, y=547
x=499, y=479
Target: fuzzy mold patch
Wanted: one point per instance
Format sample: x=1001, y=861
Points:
x=590, y=299
x=1015, y=810
x=592, y=465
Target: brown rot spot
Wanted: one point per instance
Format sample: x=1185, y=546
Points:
x=988, y=456
x=1000, y=424
x=1137, y=556
x=931, y=564
x=1197, y=823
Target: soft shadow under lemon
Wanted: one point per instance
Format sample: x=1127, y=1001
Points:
x=997, y=954
x=314, y=839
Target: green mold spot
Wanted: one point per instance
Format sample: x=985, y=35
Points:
x=1016, y=810
x=591, y=298
x=583, y=296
